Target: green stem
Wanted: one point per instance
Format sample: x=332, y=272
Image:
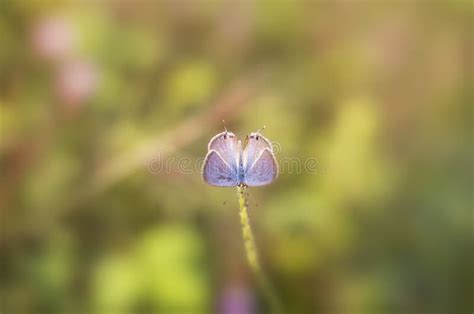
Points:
x=252, y=254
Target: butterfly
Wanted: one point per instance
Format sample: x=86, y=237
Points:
x=228, y=164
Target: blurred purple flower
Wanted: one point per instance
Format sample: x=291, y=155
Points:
x=53, y=38
x=237, y=299
x=76, y=82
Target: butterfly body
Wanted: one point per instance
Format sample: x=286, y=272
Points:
x=227, y=163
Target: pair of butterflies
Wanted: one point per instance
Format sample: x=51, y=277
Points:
x=227, y=163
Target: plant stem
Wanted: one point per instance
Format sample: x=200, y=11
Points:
x=252, y=254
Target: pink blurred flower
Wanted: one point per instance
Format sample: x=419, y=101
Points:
x=237, y=299
x=76, y=82
x=53, y=38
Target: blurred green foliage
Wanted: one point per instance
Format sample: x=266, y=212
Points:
x=163, y=272
x=100, y=103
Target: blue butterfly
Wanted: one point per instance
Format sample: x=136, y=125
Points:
x=228, y=164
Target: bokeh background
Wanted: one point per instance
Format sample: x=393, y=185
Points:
x=95, y=98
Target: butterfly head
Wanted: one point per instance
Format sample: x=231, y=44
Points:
x=228, y=135
x=254, y=136
x=257, y=136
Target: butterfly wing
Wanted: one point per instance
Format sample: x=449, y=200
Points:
x=217, y=172
x=263, y=171
x=256, y=143
x=259, y=163
x=225, y=144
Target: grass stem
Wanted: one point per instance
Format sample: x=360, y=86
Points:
x=252, y=254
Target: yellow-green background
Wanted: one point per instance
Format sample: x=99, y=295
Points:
x=379, y=93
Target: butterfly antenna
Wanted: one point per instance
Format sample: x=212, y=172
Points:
x=223, y=122
x=262, y=128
